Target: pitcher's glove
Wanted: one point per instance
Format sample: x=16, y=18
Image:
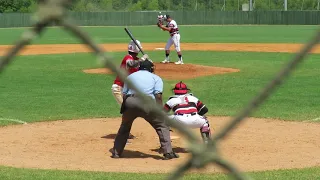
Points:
x=159, y=24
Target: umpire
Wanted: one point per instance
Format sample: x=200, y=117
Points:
x=132, y=107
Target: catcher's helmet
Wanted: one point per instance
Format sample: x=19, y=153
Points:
x=132, y=47
x=146, y=65
x=180, y=88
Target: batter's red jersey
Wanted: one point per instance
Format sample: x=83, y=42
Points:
x=123, y=65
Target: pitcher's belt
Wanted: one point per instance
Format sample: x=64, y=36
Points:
x=174, y=33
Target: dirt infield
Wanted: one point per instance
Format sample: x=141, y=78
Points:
x=258, y=144
x=74, y=48
x=170, y=71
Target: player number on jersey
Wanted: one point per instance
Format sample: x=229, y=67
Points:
x=185, y=100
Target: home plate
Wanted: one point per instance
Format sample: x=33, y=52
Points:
x=159, y=48
x=174, y=137
x=171, y=137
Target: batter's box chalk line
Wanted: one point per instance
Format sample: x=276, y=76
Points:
x=13, y=120
x=159, y=48
x=313, y=120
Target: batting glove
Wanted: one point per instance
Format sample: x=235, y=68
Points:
x=144, y=57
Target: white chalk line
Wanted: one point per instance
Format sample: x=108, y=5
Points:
x=313, y=120
x=13, y=120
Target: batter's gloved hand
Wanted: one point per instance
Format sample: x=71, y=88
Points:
x=159, y=24
x=144, y=57
x=149, y=60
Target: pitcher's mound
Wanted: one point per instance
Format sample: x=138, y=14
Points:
x=172, y=71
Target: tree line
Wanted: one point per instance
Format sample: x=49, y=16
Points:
x=7, y=6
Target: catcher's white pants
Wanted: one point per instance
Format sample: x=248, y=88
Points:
x=195, y=121
x=175, y=40
x=117, y=93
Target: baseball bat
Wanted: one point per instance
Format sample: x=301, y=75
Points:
x=133, y=39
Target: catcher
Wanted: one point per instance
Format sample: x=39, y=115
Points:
x=188, y=110
x=130, y=62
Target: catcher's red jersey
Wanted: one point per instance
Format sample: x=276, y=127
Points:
x=183, y=104
x=130, y=70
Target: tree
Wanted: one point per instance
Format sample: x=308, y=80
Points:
x=136, y=7
x=153, y=5
x=106, y=5
x=261, y=5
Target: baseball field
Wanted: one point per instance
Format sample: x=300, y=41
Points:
x=58, y=117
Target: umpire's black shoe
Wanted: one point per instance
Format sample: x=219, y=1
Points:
x=131, y=136
x=115, y=156
x=171, y=155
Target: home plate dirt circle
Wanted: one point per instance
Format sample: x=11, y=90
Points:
x=257, y=144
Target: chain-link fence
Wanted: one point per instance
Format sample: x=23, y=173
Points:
x=194, y=5
x=55, y=11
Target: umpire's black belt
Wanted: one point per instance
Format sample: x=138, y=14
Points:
x=130, y=95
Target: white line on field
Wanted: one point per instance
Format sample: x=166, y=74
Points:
x=313, y=120
x=316, y=119
x=13, y=120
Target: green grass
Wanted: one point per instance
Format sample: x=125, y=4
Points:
x=51, y=87
x=218, y=34
x=7, y=173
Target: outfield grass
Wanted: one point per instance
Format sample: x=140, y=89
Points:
x=218, y=34
x=32, y=174
x=51, y=87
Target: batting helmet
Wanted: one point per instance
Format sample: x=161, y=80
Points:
x=132, y=47
x=180, y=88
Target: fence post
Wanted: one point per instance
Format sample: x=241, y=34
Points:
x=285, y=5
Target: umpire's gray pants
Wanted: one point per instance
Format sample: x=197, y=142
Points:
x=135, y=108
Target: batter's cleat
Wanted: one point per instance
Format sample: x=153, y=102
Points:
x=169, y=156
x=179, y=62
x=165, y=61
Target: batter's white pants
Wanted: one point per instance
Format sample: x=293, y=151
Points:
x=195, y=121
x=117, y=93
x=175, y=40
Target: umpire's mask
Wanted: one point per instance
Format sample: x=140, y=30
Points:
x=146, y=65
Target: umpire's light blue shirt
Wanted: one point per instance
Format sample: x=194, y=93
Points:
x=147, y=82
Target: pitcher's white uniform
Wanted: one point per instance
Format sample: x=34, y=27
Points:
x=186, y=108
x=174, y=36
